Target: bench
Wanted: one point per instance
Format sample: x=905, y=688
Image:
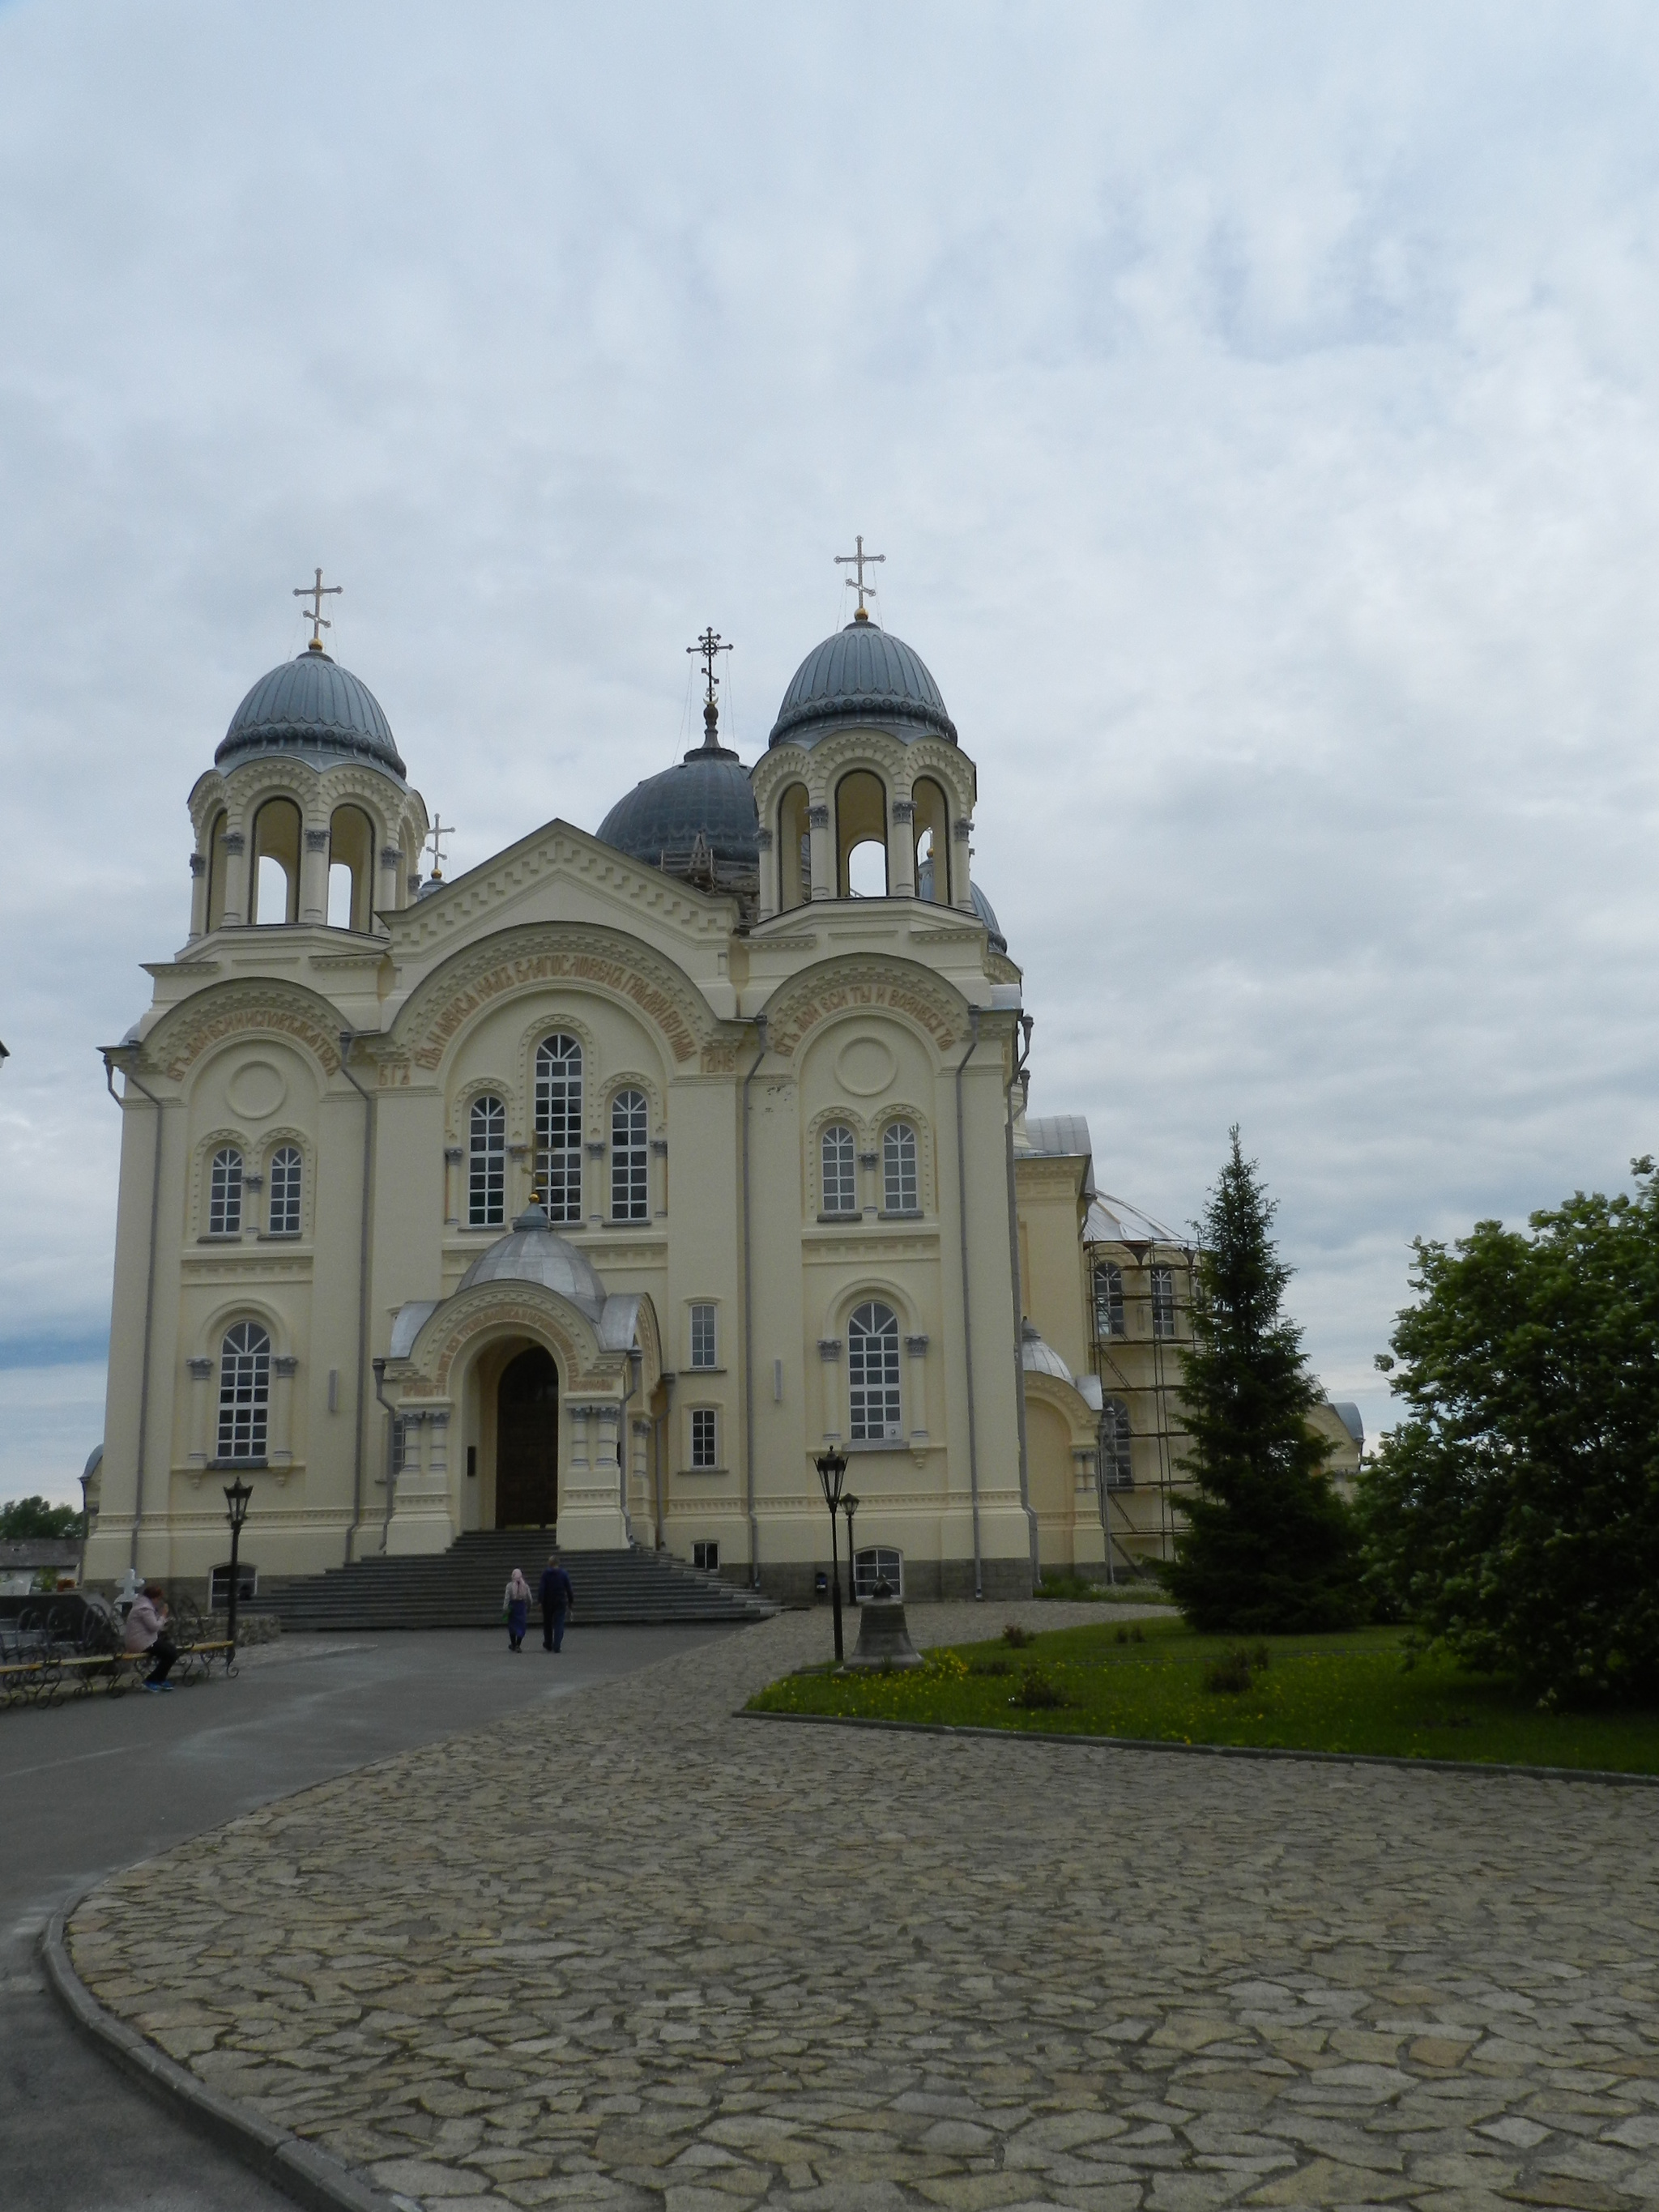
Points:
x=83, y=1672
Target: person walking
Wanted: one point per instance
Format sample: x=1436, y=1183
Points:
x=558, y=1599
x=146, y=1631
x=517, y=1602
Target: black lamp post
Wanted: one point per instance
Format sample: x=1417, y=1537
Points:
x=850, y=1506
x=832, y=1469
x=237, y=1495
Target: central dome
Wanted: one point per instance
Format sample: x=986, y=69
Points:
x=697, y=820
x=862, y=677
x=531, y=1252
x=312, y=706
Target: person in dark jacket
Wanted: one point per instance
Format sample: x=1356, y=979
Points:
x=557, y=1598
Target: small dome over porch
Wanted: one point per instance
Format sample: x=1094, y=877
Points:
x=531, y=1252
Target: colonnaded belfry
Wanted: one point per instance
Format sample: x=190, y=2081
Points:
x=602, y=1187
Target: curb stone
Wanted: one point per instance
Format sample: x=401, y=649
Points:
x=1599, y=1774
x=309, y=2176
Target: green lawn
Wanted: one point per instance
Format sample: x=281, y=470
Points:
x=1346, y=1693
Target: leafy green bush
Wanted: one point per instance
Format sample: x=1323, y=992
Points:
x=1038, y=1692
x=1017, y=1637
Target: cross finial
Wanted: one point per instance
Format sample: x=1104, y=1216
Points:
x=316, y=593
x=439, y=830
x=707, y=646
x=859, y=562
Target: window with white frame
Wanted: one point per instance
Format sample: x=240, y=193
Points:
x=876, y=1563
x=1164, y=1307
x=630, y=1158
x=284, y=1215
x=1114, y=1460
x=225, y=1194
x=872, y=1375
x=702, y=1437
x=1109, y=1300
x=898, y=1168
x=705, y=1554
x=558, y=1178
x=702, y=1336
x=486, y=1166
x=244, y=1392
x=839, y=1156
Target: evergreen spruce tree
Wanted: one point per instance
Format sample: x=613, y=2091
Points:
x=1269, y=1546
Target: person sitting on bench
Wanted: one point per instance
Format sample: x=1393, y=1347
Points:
x=146, y=1631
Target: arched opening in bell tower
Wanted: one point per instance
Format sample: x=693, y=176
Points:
x=795, y=848
x=216, y=861
x=275, y=884
x=861, y=836
x=350, y=870
x=930, y=826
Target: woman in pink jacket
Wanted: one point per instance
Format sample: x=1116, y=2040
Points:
x=146, y=1631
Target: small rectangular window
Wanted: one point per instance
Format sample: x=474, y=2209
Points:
x=1164, y=1307
x=1109, y=1300
x=702, y=1336
x=877, y=1565
x=706, y=1555
x=702, y=1437
x=1116, y=1465
x=247, y=1584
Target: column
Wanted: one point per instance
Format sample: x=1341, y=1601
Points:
x=199, y=892
x=453, y=1157
x=829, y=1366
x=823, y=852
x=579, y=1455
x=639, y=1483
x=916, y=1348
x=313, y=878
x=391, y=862
x=421, y=1516
x=962, y=833
x=235, y=879
x=769, y=875
x=201, y=1407
x=280, y=1448
x=902, y=851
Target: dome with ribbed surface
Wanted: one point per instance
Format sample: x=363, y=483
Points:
x=865, y=678
x=316, y=708
x=531, y=1252
x=697, y=820
x=1038, y=1356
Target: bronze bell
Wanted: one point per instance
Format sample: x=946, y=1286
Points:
x=883, y=1639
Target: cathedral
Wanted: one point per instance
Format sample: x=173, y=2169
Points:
x=603, y=1188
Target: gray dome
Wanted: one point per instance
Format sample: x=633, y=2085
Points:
x=1038, y=1358
x=315, y=707
x=862, y=677
x=983, y=906
x=696, y=819
x=531, y=1252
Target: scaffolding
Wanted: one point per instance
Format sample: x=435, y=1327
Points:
x=1156, y=1331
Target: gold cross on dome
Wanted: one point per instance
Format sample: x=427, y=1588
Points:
x=439, y=830
x=317, y=593
x=859, y=560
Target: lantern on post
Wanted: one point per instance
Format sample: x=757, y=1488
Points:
x=237, y=1495
x=832, y=1472
x=850, y=1506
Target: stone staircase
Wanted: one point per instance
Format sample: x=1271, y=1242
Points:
x=462, y=1588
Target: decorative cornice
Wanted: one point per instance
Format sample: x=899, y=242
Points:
x=243, y=1009
x=863, y=983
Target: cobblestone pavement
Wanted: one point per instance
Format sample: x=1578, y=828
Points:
x=632, y=1952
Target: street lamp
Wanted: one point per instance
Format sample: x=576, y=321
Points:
x=850, y=1506
x=832, y=1469
x=237, y=1495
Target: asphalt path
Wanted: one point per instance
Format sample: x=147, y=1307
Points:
x=90, y=1787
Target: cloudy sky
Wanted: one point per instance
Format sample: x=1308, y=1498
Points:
x=1256, y=407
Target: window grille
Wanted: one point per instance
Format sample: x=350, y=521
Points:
x=285, y=1191
x=702, y=1437
x=879, y=1564
x=702, y=1336
x=630, y=1158
x=1164, y=1311
x=1114, y=1459
x=247, y=1584
x=1109, y=1300
x=225, y=1195
x=872, y=1375
x=841, y=1193
x=486, y=1189
x=898, y=1168
x=558, y=1179
x=244, y=1392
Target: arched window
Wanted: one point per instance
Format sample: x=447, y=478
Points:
x=898, y=1168
x=558, y=1178
x=1109, y=1300
x=1164, y=1311
x=284, y=1216
x=630, y=1158
x=879, y=1564
x=1115, y=1469
x=872, y=1375
x=840, y=1160
x=225, y=1194
x=486, y=1189
x=244, y=1392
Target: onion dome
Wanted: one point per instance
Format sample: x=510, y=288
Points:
x=1038, y=1358
x=315, y=707
x=697, y=820
x=983, y=906
x=865, y=678
x=531, y=1252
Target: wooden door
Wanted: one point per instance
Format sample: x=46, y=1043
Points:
x=527, y=1443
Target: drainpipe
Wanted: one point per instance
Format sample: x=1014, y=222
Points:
x=749, y=1328
x=149, y=1291
x=348, y=1038
x=967, y=1302
x=662, y=1425
x=1020, y=1058
x=624, y=1436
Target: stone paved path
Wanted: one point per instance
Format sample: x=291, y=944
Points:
x=632, y=1952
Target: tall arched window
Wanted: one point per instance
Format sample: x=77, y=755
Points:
x=898, y=1168
x=225, y=1194
x=486, y=1189
x=840, y=1162
x=1109, y=1300
x=244, y=1391
x=872, y=1375
x=1164, y=1311
x=1114, y=1445
x=630, y=1158
x=558, y=1183
x=284, y=1216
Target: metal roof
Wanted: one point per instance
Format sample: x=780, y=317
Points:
x=311, y=706
x=1114, y=1221
x=531, y=1252
x=1038, y=1356
x=702, y=806
x=1066, y=1134
x=862, y=677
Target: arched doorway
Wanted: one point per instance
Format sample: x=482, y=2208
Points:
x=527, y=1442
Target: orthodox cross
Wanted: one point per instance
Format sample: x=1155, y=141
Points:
x=859, y=560
x=708, y=645
x=440, y=830
x=317, y=593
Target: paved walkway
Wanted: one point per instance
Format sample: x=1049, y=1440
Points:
x=631, y=1951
